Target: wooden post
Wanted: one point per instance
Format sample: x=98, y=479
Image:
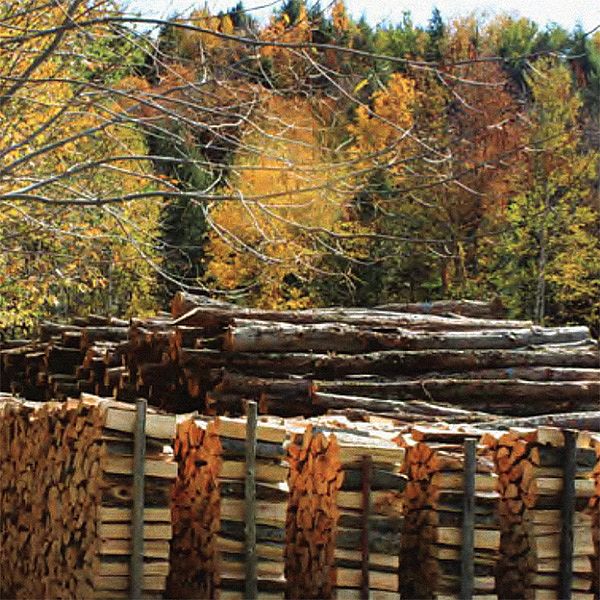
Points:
x=567, y=513
x=137, y=514
x=467, y=571
x=250, y=502
x=367, y=475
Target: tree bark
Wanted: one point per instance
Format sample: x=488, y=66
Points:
x=326, y=366
x=465, y=308
x=217, y=318
x=326, y=337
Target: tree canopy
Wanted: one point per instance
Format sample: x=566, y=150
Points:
x=306, y=160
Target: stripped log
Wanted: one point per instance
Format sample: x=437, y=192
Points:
x=218, y=318
x=245, y=336
x=495, y=396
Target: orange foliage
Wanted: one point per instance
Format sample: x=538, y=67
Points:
x=288, y=188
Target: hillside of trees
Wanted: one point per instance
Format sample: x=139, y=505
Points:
x=308, y=160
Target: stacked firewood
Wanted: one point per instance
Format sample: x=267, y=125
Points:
x=434, y=496
x=272, y=492
x=208, y=554
x=530, y=466
x=335, y=525
x=195, y=514
x=66, y=499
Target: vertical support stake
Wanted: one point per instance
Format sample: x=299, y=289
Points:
x=137, y=513
x=567, y=513
x=250, y=502
x=367, y=477
x=467, y=571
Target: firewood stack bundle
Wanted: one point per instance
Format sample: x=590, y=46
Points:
x=272, y=492
x=594, y=510
x=530, y=466
x=431, y=553
x=66, y=498
x=314, y=479
x=209, y=509
x=195, y=514
x=326, y=519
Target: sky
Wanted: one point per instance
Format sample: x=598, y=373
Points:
x=564, y=12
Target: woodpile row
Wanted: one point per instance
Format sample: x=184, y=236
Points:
x=530, y=465
x=208, y=551
x=430, y=364
x=434, y=498
x=340, y=525
x=309, y=524
x=66, y=499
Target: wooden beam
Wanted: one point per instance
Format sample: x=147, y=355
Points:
x=467, y=572
x=251, y=584
x=367, y=472
x=567, y=515
x=137, y=524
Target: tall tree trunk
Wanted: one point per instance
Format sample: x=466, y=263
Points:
x=540, y=293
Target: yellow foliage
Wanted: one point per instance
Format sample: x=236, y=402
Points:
x=380, y=132
x=339, y=16
x=288, y=188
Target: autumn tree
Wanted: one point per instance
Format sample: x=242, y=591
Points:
x=65, y=144
x=549, y=257
x=288, y=187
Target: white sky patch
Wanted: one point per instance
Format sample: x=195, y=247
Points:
x=567, y=13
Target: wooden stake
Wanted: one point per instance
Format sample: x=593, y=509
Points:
x=367, y=470
x=137, y=525
x=567, y=513
x=250, y=501
x=468, y=526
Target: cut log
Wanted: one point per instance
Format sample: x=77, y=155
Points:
x=465, y=308
x=218, y=318
x=286, y=337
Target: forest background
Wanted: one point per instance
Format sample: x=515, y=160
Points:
x=310, y=160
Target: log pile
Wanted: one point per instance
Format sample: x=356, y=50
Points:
x=66, y=499
x=65, y=361
x=342, y=538
x=431, y=552
x=208, y=554
x=530, y=467
x=410, y=362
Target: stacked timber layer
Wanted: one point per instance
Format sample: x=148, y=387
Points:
x=431, y=552
x=453, y=361
x=344, y=520
x=530, y=464
x=66, y=499
x=208, y=551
